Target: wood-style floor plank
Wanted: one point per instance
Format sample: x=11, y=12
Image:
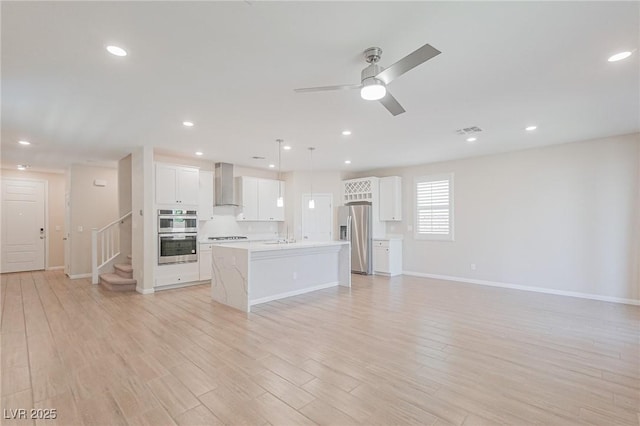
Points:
x=400, y=350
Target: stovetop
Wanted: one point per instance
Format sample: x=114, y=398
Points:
x=231, y=237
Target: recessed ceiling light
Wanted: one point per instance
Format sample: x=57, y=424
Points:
x=115, y=50
x=346, y=132
x=22, y=167
x=619, y=56
x=286, y=147
x=347, y=161
x=198, y=152
x=271, y=166
x=187, y=123
x=472, y=139
x=24, y=143
x=530, y=128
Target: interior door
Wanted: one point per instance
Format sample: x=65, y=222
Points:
x=23, y=225
x=317, y=223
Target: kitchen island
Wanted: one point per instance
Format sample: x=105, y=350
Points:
x=246, y=274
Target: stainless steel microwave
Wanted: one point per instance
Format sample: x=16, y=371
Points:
x=181, y=221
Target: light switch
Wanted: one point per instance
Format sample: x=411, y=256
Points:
x=58, y=228
x=80, y=228
x=409, y=228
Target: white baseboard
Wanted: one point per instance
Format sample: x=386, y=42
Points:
x=179, y=285
x=78, y=276
x=145, y=290
x=527, y=288
x=55, y=268
x=291, y=293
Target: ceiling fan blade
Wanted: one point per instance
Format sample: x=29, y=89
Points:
x=408, y=63
x=391, y=104
x=326, y=88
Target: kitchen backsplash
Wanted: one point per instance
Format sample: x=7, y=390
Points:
x=224, y=224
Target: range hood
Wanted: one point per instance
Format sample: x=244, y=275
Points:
x=225, y=195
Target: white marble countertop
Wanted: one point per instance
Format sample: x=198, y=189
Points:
x=254, y=246
x=389, y=237
x=206, y=240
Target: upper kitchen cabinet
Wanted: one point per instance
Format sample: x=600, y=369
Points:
x=361, y=189
x=177, y=185
x=390, y=198
x=247, y=197
x=259, y=199
x=205, y=208
x=268, y=193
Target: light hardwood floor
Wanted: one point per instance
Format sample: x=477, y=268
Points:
x=387, y=351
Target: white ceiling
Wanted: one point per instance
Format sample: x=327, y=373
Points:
x=231, y=67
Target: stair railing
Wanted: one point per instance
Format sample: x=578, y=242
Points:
x=105, y=246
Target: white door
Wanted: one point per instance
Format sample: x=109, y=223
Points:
x=317, y=223
x=23, y=225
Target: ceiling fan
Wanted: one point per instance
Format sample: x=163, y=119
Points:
x=374, y=78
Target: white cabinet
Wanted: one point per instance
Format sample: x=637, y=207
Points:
x=367, y=190
x=176, y=274
x=247, y=188
x=205, y=206
x=387, y=257
x=361, y=189
x=268, y=192
x=205, y=262
x=259, y=198
x=390, y=198
x=177, y=185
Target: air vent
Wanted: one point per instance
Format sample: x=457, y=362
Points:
x=469, y=130
x=257, y=157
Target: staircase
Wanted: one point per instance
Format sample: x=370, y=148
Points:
x=105, y=251
x=121, y=280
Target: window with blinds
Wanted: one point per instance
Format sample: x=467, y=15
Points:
x=434, y=207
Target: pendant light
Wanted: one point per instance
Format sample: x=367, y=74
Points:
x=312, y=203
x=280, y=200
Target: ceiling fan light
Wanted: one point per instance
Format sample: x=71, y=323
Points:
x=373, y=90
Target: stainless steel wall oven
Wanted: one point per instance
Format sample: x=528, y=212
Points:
x=177, y=236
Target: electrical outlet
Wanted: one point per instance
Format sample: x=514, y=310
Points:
x=473, y=266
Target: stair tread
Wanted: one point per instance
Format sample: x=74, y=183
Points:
x=117, y=287
x=124, y=267
x=117, y=279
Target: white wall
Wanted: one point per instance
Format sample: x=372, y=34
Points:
x=90, y=207
x=143, y=218
x=124, y=206
x=561, y=218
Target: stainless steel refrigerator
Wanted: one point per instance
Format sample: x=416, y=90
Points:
x=355, y=226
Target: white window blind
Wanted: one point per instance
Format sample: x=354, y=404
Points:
x=434, y=207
